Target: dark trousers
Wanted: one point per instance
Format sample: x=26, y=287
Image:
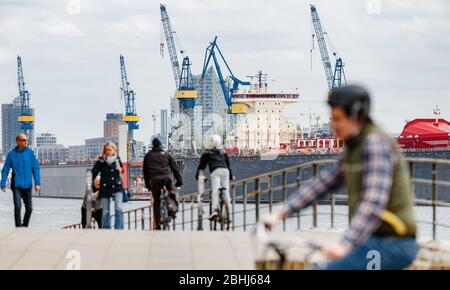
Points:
x=97, y=215
x=24, y=194
x=156, y=186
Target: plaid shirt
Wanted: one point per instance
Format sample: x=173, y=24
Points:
x=378, y=162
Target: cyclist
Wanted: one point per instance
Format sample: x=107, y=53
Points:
x=379, y=189
x=219, y=166
x=158, y=169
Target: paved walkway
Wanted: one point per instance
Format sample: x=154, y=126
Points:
x=98, y=249
x=104, y=249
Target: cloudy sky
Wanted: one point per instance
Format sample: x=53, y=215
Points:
x=400, y=49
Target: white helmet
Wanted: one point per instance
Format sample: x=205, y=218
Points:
x=215, y=142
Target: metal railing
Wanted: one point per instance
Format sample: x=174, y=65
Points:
x=253, y=197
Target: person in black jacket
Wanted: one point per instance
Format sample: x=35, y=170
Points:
x=219, y=167
x=158, y=169
x=110, y=169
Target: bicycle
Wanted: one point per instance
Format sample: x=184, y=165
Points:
x=223, y=216
x=281, y=247
x=165, y=217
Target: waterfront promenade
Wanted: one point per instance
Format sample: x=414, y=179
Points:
x=108, y=249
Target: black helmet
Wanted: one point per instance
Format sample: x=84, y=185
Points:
x=156, y=143
x=353, y=99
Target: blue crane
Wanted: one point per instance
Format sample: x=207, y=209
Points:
x=26, y=118
x=336, y=77
x=128, y=95
x=228, y=88
x=186, y=93
x=168, y=33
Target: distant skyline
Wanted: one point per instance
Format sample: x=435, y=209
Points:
x=399, y=49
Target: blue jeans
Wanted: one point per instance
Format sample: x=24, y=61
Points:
x=118, y=211
x=24, y=194
x=378, y=253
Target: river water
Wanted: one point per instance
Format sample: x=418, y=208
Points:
x=55, y=213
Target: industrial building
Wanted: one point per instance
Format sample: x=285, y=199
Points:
x=56, y=153
x=46, y=139
x=77, y=153
x=48, y=150
x=111, y=124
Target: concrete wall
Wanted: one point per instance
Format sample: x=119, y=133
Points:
x=63, y=181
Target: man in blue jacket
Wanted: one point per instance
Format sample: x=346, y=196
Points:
x=24, y=167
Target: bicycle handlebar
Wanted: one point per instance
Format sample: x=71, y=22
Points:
x=280, y=247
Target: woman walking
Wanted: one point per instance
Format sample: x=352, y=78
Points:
x=110, y=169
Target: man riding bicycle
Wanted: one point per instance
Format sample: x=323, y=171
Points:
x=379, y=190
x=158, y=169
x=219, y=166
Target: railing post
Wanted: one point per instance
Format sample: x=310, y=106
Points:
x=314, y=207
x=411, y=176
x=434, y=196
x=298, y=180
x=244, y=185
x=192, y=214
x=135, y=219
x=182, y=216
x=257, y=199
x=332, y=203
x=270, y=185
x=150, y=217
x=142, y=219
x=284, y=194
x=200, y=212
x=233, y=205
x=129, y=220
x=88, y=197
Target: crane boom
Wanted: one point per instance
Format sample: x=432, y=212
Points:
x=168, y=33
x=128, y=95
x=26, y=119
x=322, y=46
x=226, y=89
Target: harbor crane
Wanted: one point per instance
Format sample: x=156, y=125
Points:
x=228, y=87
x=26, y=118
x=185, y=93
x=335, y=77
x=185, y=89
x=130, y=118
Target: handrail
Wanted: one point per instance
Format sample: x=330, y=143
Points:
x=252, y=195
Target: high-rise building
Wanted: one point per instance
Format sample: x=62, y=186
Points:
x=111, y=124
x=46, y=139
x=210, y=94
x=164, y=127
x=209, y=108
x=11, y=125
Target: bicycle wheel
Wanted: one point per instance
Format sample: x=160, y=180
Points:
x=224, y=216
x=164, y=215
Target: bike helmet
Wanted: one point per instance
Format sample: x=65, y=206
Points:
x=353, y=99
x=215, y=142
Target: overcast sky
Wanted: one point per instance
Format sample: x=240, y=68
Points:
x=399, y=49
